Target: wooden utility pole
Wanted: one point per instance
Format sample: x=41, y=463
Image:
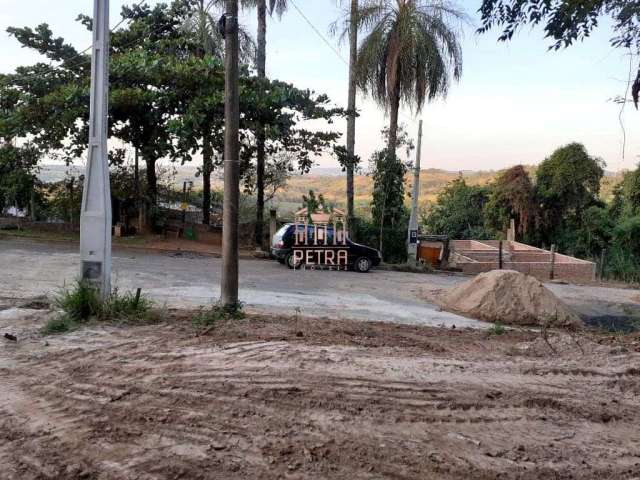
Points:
x=229, y=284
x=351, y=107
x=95, y=216
x=412, y=236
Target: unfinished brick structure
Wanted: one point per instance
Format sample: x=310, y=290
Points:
x=475, y=256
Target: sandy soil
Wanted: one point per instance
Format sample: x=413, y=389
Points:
x=314, y=399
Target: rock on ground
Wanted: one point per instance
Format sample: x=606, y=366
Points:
x=511, y=298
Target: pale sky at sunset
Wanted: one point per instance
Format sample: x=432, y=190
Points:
x=516, y=101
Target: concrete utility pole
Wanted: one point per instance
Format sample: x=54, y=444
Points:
x=95, y=218
x=412, y=237
x=351, y=106
x=229, y=284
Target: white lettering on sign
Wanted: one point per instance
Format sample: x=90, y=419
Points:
x=321, y=257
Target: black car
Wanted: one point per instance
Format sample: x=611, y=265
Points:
x=325, y=252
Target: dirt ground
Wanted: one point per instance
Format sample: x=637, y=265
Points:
x=273, y=397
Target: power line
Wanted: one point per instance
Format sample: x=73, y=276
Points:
x=318, y=32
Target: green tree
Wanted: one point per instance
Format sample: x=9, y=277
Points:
x=512, y=197
x=631, y=192
x=567, y=183
x=409, y=55
x=388, y=172
x=457, y=212
x=202, y=24
x=18, y=175
x=313, y=203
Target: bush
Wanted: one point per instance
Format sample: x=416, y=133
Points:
x=80, y=303
x=621, y=264
x=59, y=324
x=218, y=312
x=83, y=303
x=497, y=329
x=394, y=240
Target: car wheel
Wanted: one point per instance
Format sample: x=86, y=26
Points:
x=290, y=261
x=363, y=264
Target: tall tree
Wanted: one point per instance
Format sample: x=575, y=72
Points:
x=204, y=26
x=347, y=157
x=409, y=55
x=512, y=197
x=567, y=184
x=278, y=7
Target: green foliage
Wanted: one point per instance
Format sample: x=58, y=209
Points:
x=166, y=96
x=512, y=196
x=497, y=329
x=217, y=313
x=82, y=303
x=313, y=203
x=458, y=212
x=410, y=52
x=18, y=181
x=388, y=172
x=565, y=21
x=394, y=240
x=567, y=184
x=621, y=264
x=64, y=199
x=59, y=324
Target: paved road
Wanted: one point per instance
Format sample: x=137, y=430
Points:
x=28, y=269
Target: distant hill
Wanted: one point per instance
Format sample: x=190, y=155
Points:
x=331, y=182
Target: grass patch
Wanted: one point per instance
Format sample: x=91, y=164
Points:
x=59, y=324
x=82, y=303
x=497, y=329
x=208, y=317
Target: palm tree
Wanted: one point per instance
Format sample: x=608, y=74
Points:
x=409, y=55
x=203, y=25
x=278, y=7
x=350, y=29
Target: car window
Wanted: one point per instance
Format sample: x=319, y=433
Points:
x=280, y=233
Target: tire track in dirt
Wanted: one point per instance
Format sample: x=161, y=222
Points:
x=156, y=403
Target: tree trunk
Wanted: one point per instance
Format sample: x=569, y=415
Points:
x=136, y=178
x=260, y=167
x=261, y=60
x=207, y=168
x=351, y=106
x=152, y=181
x=261, y=54
x=229, y=283
x=394, y=109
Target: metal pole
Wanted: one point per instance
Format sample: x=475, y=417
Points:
x=229, y=284
x=500, y=255
x=95, y=217
x=412, y=238
x=553, y=262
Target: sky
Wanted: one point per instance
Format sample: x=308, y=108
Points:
x=516, y=101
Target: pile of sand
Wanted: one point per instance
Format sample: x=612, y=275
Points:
x=509, y=297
